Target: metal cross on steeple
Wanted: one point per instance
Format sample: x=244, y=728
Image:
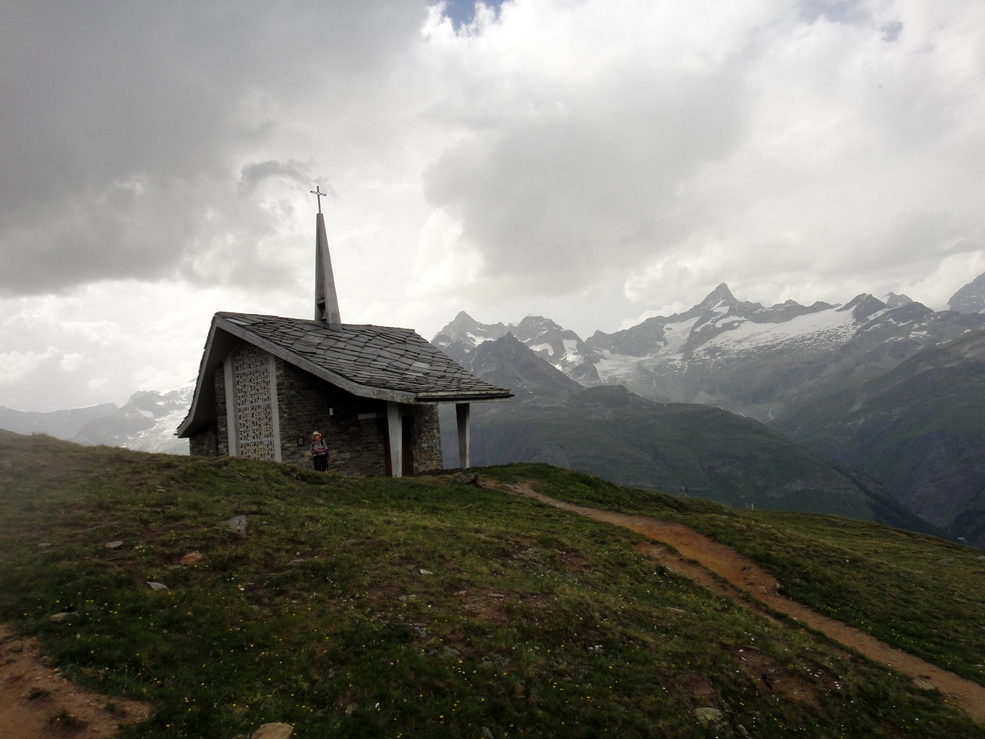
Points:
x=319, y=194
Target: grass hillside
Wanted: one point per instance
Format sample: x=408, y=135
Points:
x=422, y=607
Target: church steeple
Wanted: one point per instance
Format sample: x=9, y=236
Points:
x=326, y=299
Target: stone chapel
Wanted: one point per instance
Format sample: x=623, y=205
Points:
x=265, y=383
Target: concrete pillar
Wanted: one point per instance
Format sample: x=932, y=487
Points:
x=232, y=435
x=464, y=449
x=274, y=406
x=394, y=427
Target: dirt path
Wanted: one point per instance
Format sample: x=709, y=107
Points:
x=38, y=703
x=752, y=585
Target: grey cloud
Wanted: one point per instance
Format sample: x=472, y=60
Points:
x=566, y=194
x=851, y=12
x=124, y=122
x=252, y=175
x=891, y=31
x=621, y=175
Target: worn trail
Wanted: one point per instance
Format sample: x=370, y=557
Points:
x=36, y=702
x=746, y=577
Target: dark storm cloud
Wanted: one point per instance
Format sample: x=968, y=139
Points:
x=125, y=123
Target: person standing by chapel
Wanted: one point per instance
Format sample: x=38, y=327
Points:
x=319, y=452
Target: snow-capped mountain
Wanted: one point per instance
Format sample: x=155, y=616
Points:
x=895, y=301
x=739, y=355
x=559, y=346
x=460, y=337
x=761, y=360
x=146, y=423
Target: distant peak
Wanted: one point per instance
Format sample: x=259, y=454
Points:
x=896, y=301
x=864, y=305
x=459, y=325
x=462, y=319
x=858, y=300
x=718, y=295
x=532, y=320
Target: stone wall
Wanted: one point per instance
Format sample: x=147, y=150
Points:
x=213, y=441
x=307, y=403
x=204, y=443
x=427, y=438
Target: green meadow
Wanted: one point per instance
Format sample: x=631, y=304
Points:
x=422, y=607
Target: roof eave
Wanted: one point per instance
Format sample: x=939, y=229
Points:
x=204, y=395
x=432, y=398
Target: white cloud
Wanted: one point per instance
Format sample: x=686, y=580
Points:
x=16, y=366
x=97, y=383
x=72, y=362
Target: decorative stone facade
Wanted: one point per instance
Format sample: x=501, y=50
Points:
x=255, y=396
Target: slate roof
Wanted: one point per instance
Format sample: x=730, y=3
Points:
x=369, y=361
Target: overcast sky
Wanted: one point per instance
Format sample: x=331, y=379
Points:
x=594, y=161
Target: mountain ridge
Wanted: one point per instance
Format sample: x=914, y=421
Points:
x=918, y=429
x=62, y=424
x=745, y=357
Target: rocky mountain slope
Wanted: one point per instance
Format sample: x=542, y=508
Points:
x=147, y=423
x=839, y=378
x=970, y=298
x=919, y=429
x=676, y=448
x=559, y=346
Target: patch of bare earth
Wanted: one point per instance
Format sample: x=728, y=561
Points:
x=722, y=570
x=36, y=702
